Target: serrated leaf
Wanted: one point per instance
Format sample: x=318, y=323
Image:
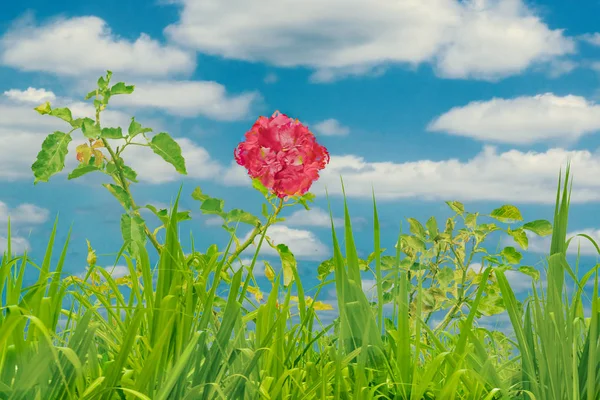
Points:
x=532, y=272
x=121, y=88
x=129, y=173
x=471, y=220
x=111, y=133
x=269, y=272
x=81, y=170
x=257, y=184
x=432, y=227
x=90, y=95
x=242, y=216
x=519, y=237
x=120, y=194
x=198, y=195
x=456, y=206
x=135, y=128
x=163, y=145
x=511, y=255
x=445, y=276
x=212, y=206
x=62, y=113
x=43, y=108
x=51, y=158
x=288, y=263
x=90, y=129
x=540, y=227
x=416, y=228
x=507, y=213
x=132, y=230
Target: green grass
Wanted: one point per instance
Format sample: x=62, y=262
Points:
x=165, y=332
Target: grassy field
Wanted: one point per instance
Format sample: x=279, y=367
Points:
x=164, y=333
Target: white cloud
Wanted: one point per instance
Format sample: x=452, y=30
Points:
x=18, y=244
x=512, y=176
x=331, y=127
x=23, y=214
x=542, y=244
x=117, y=271
x=522, y=120
x=302, y=243
x=271, y=78
x=31, y=95
x=592, y=38
x=86, y=45
x=480, y=38
x=313, y=217
x=191, y=99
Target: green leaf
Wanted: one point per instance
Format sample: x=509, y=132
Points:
x=511, y=255
x=242, y=216
x=163, y=145
x=111, y=133
x=257, y=184
x=132, y=230
x=456, y=206
x=432, y=227
x=129, y=173
x=540, y=227
x=135, y=128
x=120, y=194
x=90, y=129
x=90, y=95
x=198, y=195
x=324, y=269
x=44, y=108
x=507, y=213
x=102, y=83
x=81, y=170
x=471, y=220
x=121, y=88
x=520, y=237
x=265, y=210
x=212, y=206
x=416, y=228
x=51, y=158
x=77, y=123
x=445, y=276
x=532, y=272
x=414, y=242
x=62, y=113
x=288, y=263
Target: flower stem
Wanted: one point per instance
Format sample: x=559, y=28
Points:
x=125, y=186
x=257, y=231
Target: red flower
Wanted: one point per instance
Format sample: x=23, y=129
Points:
x=283, y=154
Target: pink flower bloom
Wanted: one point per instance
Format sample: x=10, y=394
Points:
x=283, y=154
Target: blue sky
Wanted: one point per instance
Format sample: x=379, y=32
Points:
x=478, y=101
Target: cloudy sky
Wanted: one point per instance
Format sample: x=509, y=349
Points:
x=480, y=101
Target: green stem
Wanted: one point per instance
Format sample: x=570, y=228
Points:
x=257, y=231
x=125, y=186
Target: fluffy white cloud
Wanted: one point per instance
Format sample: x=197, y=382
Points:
x=592, y=38
x=512, y=176
x=302, y=243
x=542, y=244
x=522, y=120
x=270, y=78
x=23, y=214
x=31, y=95
x=331, y=127
x=191, y=99
x=483, y=39
x=313, y=217
x=18, y=244
x=86, y=45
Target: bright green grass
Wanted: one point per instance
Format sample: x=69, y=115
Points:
x=174, y=338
